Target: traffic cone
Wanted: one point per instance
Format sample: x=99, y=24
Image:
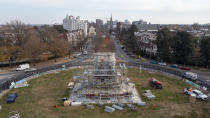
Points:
x=56, y=106
x=154, y=105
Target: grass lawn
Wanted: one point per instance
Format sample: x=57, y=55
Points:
x=39, y=100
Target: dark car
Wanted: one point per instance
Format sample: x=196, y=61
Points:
x=153, y=62
x=174, y=66
x=184, y=68
x=12, y=97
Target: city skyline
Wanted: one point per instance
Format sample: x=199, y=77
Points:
x=156, y=12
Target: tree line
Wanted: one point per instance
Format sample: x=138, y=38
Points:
x=19, y=41
x=183, y=48
x=175, y=47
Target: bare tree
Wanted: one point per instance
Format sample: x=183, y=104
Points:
x=19, y=30
x=21, y=41
x=56, y=45
x=33, y=47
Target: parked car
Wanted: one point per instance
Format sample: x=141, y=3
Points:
x=153, y=62
x=184, y=68
x=85, y=52
x=196, y=93
x=162, y=63
x=78, y=54
x=188, y=91
x=174, y=66
x=12, y=97
x=200, y=95
x=190, y=75
x=155, y=83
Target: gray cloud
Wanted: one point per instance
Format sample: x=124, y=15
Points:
x=154, y=9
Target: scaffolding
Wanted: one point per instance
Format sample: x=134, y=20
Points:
x=103, y=82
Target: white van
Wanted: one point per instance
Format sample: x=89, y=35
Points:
x=22, y=67
x=190, y=75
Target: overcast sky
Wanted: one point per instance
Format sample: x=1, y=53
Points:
x=154, y=11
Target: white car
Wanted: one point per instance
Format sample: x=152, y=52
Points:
x=78, y=54
x=196, y=93
x=200, y=95
x=188, y=91
x=85, y=52
x=162, y=63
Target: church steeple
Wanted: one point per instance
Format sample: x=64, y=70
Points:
x=111, y=24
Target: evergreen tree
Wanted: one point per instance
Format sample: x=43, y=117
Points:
x=182, y=46
x=163, y=44
x=205, y=50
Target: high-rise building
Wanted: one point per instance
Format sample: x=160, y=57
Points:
x=127, y=22
x=144, y=26
x=99, y=23
x=71, y=23
x=140, y=22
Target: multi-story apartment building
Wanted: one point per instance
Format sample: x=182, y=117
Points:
x=71, y=23
x=146, y=42
x=74, y=37
x=92, y=31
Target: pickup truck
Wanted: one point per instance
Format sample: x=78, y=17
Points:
x=190, y=75
x=196, y=93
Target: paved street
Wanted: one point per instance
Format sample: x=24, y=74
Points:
x=77, y=60
x=205, y=80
